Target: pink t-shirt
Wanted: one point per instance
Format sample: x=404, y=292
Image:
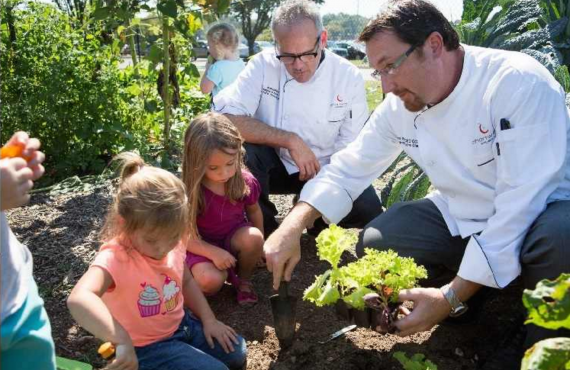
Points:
x=147, y=296
x=221, y=217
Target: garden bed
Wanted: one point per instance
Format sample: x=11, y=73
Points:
x=61, y=231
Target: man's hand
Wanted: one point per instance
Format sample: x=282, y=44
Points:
x=430, y=308
x=282, y=253
x=304, y=158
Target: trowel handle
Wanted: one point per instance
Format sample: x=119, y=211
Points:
x=283, y=289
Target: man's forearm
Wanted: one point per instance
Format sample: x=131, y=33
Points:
x=464, y=289
x=303, y=215
x=256, y=132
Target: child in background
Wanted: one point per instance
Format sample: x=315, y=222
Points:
x=224, y=64
x=134, y=293
x=26, y=341
x=223, y=208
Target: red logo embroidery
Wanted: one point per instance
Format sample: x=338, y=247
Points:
x=482, y=129
x=338, y=99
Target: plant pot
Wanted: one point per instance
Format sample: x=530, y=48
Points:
x=361, y=318
x=342, y=310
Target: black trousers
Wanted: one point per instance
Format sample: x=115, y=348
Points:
x=266, y=166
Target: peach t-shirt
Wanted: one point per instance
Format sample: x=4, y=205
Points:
x=147, y=296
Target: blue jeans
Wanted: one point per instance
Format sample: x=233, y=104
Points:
x=187, y=349
x=26, y=336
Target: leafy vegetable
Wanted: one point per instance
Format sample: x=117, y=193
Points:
x=377, y=271
x=416, y=362
x=549, y=303
x=548, y=354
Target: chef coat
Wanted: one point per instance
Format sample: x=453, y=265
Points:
x=327, y=112
x=491, y=184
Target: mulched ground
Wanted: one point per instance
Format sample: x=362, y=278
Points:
x=61, y=231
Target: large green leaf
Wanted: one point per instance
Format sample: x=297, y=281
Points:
x=168, y=8
x=548, y=354
x=549, y=304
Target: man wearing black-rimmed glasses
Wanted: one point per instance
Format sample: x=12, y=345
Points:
x=296, y=106
x=490, y=129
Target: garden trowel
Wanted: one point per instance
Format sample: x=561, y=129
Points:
x=283, y=308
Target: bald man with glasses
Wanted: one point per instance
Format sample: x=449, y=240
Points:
x=296, y=106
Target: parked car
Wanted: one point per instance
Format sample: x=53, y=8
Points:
x=244, y=50
x=200, y=49
x=264, y=45
x=335, y=48
x=354, y=50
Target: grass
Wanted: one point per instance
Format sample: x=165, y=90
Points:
x=373, y=94
x=360, y=63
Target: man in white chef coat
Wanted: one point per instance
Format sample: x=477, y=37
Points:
x=490, y=129
x=295, y=106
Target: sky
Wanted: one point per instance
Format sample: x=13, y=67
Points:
x=452, y=9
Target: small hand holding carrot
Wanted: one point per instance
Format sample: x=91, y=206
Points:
x=20, y=164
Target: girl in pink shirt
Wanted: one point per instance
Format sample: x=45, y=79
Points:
x=224, y=213
x=134, y=293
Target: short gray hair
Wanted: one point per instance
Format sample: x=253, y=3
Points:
x=294, y=11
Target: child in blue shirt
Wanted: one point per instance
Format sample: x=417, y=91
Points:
x=26, y=340
x=223, y=42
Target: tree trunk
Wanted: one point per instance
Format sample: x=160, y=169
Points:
x=165, y=85
x=131, y=40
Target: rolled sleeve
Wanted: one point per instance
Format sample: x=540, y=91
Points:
x=353, y=169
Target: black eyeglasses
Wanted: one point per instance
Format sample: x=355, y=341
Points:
x=391, y=68
x=304, y=57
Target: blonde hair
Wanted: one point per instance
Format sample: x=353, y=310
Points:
x=205, y=134
x=225, y=40
x=148, y=198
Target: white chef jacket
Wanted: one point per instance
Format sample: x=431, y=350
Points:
x=489, y=181
x=327, y=112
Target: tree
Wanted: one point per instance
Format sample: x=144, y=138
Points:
x=255, y=16
x=344, y=26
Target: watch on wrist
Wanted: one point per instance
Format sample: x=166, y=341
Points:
x=458, y=308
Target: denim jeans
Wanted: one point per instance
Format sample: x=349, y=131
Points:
x=187, y=349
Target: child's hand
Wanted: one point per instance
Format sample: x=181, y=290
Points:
x=223, y=259
x=25, y=147
x=225, y=335
x=125, y=358
x=16, y=179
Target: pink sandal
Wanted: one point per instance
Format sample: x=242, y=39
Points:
x=245, y=298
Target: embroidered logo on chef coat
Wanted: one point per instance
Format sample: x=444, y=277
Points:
x=339, y=102
x=270, y=91
x=411, y=143
x=484, y=135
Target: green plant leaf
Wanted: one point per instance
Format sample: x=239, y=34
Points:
x=548, y=354
x=168, y=8
x=101, y=13
x=549, y=304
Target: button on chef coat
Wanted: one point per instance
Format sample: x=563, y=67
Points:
x=491, y=198
x=327, y=112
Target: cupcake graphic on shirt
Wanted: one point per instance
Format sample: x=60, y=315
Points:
x=149, y=301
x=170, y=292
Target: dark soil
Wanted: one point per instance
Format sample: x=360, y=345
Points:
x=61, y=231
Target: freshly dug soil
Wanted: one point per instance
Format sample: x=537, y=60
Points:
x=62, y=233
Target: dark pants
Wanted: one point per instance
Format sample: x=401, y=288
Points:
x=266, y=166
x=417, y=229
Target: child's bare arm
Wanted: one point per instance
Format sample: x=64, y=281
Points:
x=220, y=257
x=205, y=84
x=89, y=310
x=194, y=299
x=255, y=215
